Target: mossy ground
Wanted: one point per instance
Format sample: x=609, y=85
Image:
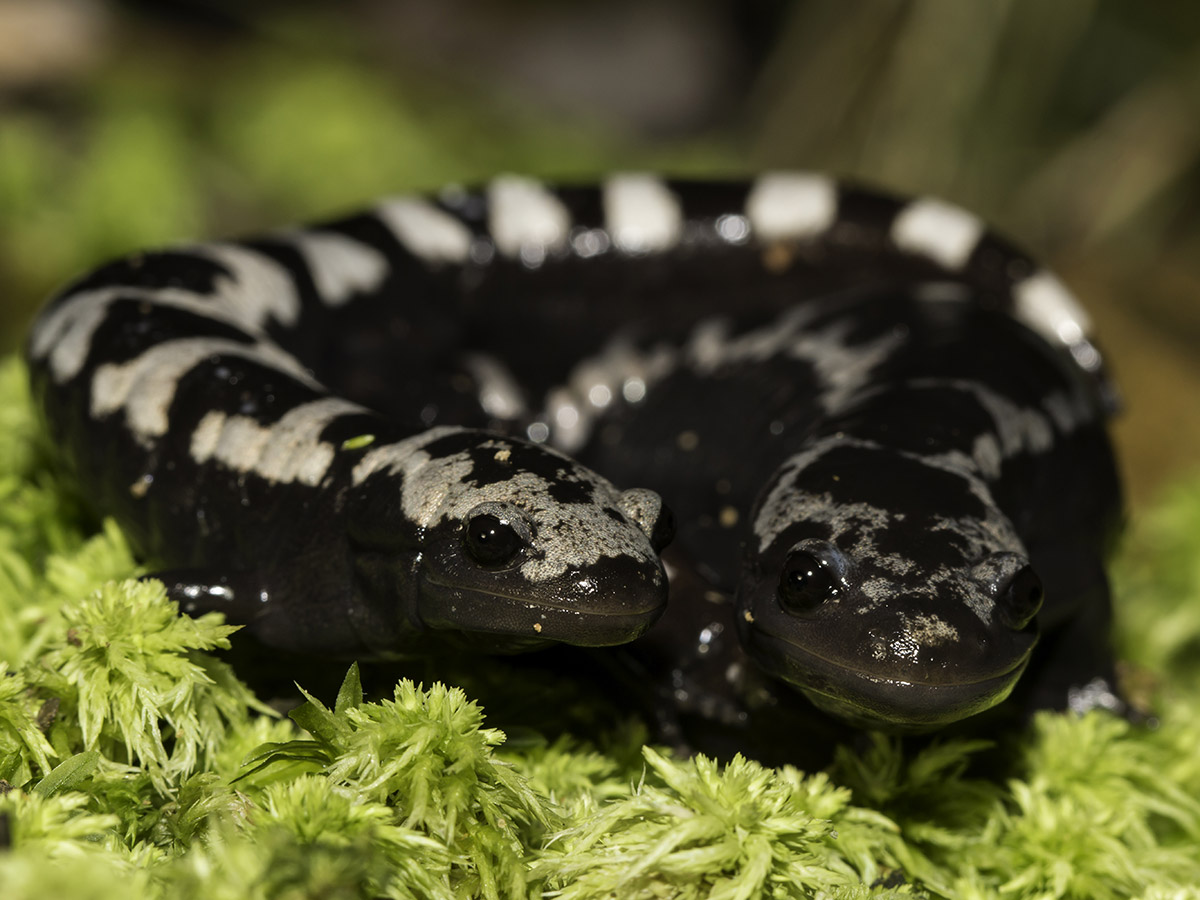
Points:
x=136, y=764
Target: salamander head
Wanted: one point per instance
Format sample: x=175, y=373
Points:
x=517, y=545
x=889, y=589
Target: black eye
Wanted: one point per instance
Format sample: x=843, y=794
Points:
x=491, y=541
x=805, y=583
x=1020, y=600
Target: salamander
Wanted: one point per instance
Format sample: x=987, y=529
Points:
x=880, y=427
x=201, y=397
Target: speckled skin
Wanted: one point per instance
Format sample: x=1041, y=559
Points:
x=806, y=371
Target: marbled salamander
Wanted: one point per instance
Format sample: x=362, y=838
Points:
x=870, y=415
x=190, y=389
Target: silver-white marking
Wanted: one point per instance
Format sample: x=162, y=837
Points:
x=946, y=234
x=145, y=386
x=430, y=233
x=259, y=289
x=641, y=213
x=526, y=220
x=844, y=368
x=401, y=456
x=286, y=451
x=569, y=535
x=1044, y=304
x=340, y=266
x=791, y=205
x=499, y=394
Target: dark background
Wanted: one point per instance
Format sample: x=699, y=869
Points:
x=1073, y=126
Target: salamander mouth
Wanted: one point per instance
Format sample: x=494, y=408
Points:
x=874, y=701
x=446, y=606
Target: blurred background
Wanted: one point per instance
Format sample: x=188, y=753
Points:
x=1073, y=126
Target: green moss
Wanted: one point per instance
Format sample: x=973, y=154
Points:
x=135, y=762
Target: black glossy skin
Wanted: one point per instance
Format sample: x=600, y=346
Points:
x=831, y=396
x=885, y=491
x=339, y=532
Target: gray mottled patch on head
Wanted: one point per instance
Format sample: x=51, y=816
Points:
x=859, y=530
x=286, y=451
x=569, y=535
x=930, y=630
x=782, y=504
x=341, y=267
x=401, y=457
x=145, y=386
x=643, y=507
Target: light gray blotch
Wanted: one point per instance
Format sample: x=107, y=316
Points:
x=569, y=535
x=945, y=233
x=1046, y=305
x=428, y=232
x=791, y=205
x=145, y=386
x=258, y=288
x=64, y=335
x=641, y=213
x=499, y=394
x=525, y=218
x=341, y=267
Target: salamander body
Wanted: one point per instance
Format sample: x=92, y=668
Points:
x=880, y=427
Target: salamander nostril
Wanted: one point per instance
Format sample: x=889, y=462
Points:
x=1021, y=598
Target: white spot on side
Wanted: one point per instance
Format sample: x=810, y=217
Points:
x=340, y=266
x=207, y=435
x=145, y=386
x=791, y=205
x=259, y=289
x=1045, y=305
x=944, y=233
x=287, y=451
x=499, y=394
x=65, y=333
x=641, y=213
x=525, y=218
x=428, y=232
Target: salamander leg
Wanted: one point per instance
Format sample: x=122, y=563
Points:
x=242, y=596
x=1073, y=666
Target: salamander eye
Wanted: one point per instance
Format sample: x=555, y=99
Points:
x=805, y=583
x=1021, y=598
x=490, y=540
